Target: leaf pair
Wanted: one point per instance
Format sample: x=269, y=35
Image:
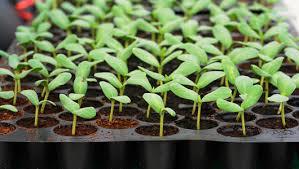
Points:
x=112, y=94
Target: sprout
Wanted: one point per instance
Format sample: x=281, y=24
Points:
x=111, y=93
x=156, y=103
x=185, y=93
x=250, y=95
x=33, y=98
x=74, y=108
x=293, y=55
x=286, y=87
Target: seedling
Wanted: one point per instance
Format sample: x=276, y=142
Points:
x=33, y=98
x=185, y=93
x=74, y=108
x=156, y=103
x=286, y=87
x=111, y=93
x=250, y=95
x=293, y=55
x=6, y=95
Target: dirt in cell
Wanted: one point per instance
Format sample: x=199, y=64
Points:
x=236, y=131
x=276, y=123
x=43, y=122
x=117, y=123
x=154, y=130
x=6, y=128
x=155, y=118
x=81, y=130
x=191, y=123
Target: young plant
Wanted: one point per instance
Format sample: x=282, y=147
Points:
x=250, y=95
x=6, y=95
x=33, y=98
x=74, y=108
x=111, y=93
x=293, y=55
x=286, y=87
x=156, y=103
x=185, y=93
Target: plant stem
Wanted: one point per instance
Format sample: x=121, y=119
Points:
x=222, y=81
x=36, y=116
x=165, y=98
x=243, y=123
x=194, y=104
x=45, y=103
x=238, y=117
x=43, y=92
x=111, y=111
x=19, y=85
x=121, y=93
x=266, y=91
x=234, y=95
x=262, y=81
x=198, y=116
x=74, y=125
x=54, y=4
x=226, y=82
x=148, y=111
x=161, y=124
x=283, y=119
x=15, y=93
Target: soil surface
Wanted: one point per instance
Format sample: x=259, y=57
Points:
x=294, y=102
x=231, y=117
x=154, y=130
x=49, y=109
x=9, y=115
x=206, y=110
x=296, y=114
x=81, y=130
x=236, y=131
x=127, y=111
x=6, y=128
x=275, y=123
x=190, y=123
x=155, y=118
x=20, y=101
x=117, y=123
x=43, y=122
x=69, y=117
x=91, y=103
x=269, y=109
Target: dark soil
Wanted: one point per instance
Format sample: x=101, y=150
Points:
x=11, y=87
x=6, y=128
x=69, y=117
x=275, y=123
x=94, y=93
x=91, y=103
x=269, y=109
x=49, y=109
x=154, y=130
x=155, y=118
x=20, y=101
x=190, y=123
x=127, y=111
x=117, y=123
x=43, y=122
x=289, y=69
x=206, y=110
x=231, y=117
x=81, y=130
x=236, y=131
x=294, y=102
x=8, y=115
x=296, y=114
x=296, y=92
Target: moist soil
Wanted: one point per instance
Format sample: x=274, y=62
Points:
x=49, y=109
x=206, y=110
x=69, y=117
x=6, y=128
x=190, y=123
x=94, y=93
x=91, y=103
x=117, y=123
x=127, y=111
x=289, y=69
x=269, y=109
x=296, y=114
x=43, y=122
x=275, y=123
x=294, y=102
x=155, y=118
x=9, y=115
x=154, y=130
x=20, y=101
x=81, y=130
x=231, y=117
x=236, y=131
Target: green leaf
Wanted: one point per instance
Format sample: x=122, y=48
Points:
x=59, y=80
x=170, y=111
x=83, y=69
x=45, y=46
x=6, y=72
x=230, y=70
x=155, y=102
x=209, y=48
x=272, y=49
x=163, y=88
x=287, y=39
x=246, y=30
x=9, y=108
x=122, y=99
x=182, y=80
x=45, y=59
x=219, y=93
x=295, y=78
x=68, y=103
x=276, y=30
x=199, y=6
x=25, y=73
x=46, y=101
x=75, y=47
x=6, y=94
x=31, y=95
x=36, y=64
x=190, y=28
x=145, y=26
x=208, y=77
x=75, y=96
x=171, y=57
x=273, y=66
x=243, y=84
x=196, y=51
x=228, y=106
x=108, y=89
x=80, y=85
x=239, y=55
x=285, y=85
x=117, y=64
x=110, y=77
x=152, y=74
x=57, y=72
x=140, y=80
x=127, y=52
x=171, y=25
x=146, y=57
x=277, y=98
x=86, y=113
x=63, y=61
x=259, y=71
x=222, y=35
x=68, y=40
x=59, y=18
x=253, y=95
x=183, y=92
x=292, y=54
x=81, y=23
x=186, y=68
